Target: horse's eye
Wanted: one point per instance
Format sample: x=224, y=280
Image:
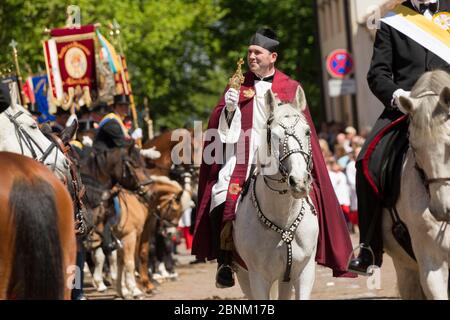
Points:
x=34, y=126
x=308, y=132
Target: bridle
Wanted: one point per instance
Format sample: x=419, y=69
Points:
x=162, y=210
x=24, y=138
x=287, y=234
x=289, y=131
x=76, y=186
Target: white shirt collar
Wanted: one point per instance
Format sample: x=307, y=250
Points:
x=416, y=3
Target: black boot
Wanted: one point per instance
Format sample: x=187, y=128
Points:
x=225, y=274
x=361, y=264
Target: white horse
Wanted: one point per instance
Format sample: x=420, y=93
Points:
x=424, y=202
x=19, y=133
x=276, y=228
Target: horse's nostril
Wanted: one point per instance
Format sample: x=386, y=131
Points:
x=292, y=181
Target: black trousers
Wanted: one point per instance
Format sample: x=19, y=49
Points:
x=369, y=215
x=369, y=205
x=216, y=217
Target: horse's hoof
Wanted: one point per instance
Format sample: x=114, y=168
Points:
x=101, y=287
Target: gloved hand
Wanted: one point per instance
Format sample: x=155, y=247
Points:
x=396, y=98
x=150, y=153
x=137, y=134
x=231, y=99
x=71, y=119
x=87, y=141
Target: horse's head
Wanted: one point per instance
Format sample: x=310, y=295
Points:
x=289, y=142
x=167, y=196
x=429, y=136
x=19, y=133
x=123, y=163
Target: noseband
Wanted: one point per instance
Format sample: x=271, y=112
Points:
x=289, y=131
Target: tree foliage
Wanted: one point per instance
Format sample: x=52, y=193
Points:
x=180, y=53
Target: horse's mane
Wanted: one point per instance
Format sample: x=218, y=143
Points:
x=166, y=180
x=430, y=117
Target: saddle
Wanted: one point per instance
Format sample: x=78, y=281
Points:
x=383, y=168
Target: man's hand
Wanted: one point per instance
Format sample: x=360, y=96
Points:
x=137, y=134
x=87, y=141
x=150, y=153
x=396, y=98
x=231, y=99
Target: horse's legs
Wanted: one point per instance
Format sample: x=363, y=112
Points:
x=408, y=282
x=112, y=258
x=244, y=282
x=433, y=277
x=99, y=259
x=284, y=290
x=121, y=288
x=260, y=287
x=129, y=249
x=144, y=248
x=304, y=285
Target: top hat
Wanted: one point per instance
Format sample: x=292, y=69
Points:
x=121, y=99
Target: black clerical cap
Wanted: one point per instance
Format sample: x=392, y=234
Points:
x=265, y=38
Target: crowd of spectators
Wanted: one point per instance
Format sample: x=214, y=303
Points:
x=340, y=147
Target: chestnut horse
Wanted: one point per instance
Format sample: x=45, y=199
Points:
x=159, y=199
x=37, y=233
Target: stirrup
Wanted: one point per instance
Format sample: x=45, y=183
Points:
x=370, y=268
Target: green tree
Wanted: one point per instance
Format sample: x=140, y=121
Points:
x=180, y=53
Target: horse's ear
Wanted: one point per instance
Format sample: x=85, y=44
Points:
x=69, y=132
x=407, y=104
x=444, y=98
x=300, y=99
x=271, y=100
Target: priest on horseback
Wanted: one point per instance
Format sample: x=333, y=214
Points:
x=240, y=110
x=404, y=49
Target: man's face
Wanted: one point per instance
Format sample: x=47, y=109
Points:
x=260, y=60
x=122, y=110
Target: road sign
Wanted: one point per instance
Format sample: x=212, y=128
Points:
x=341, y=87
x=339, y=63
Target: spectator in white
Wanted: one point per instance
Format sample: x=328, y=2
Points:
x=350, y=172
x=340, y=186
x=350, y=132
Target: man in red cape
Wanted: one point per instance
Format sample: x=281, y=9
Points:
x=334, y=245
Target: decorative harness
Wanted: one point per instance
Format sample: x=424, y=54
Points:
x=287, y=234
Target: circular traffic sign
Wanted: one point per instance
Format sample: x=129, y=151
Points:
x=339, y=63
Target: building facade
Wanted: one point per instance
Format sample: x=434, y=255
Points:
x=350, y=25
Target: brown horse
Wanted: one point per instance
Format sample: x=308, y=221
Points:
x=37, y=233
x=159, y=199
x=178, y=147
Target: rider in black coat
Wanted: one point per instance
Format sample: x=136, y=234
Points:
x=397, y=64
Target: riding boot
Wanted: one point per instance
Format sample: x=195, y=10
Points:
x=224, y=275
x=369, y=215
